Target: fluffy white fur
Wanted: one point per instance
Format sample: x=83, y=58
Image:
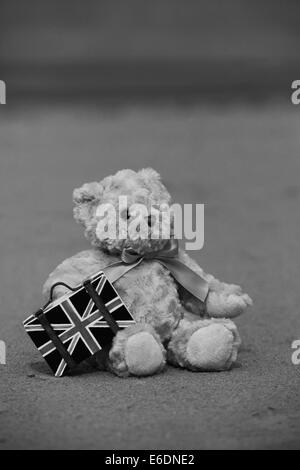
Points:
x=171, y=323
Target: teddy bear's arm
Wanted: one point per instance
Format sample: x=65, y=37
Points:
x=73, y=271
x=224, y=300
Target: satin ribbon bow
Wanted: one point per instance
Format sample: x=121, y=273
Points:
x=168, y=257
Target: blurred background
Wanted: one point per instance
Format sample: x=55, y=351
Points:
x=137, y=49
x=200, y=90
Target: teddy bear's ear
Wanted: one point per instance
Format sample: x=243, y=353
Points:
x=150, y=175
x=87, y=193
x=84, y=199
x=152, y=180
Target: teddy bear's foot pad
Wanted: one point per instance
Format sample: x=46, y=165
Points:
x=143, y=354
x=212, y=345
x=137, y=350
x=210, y=348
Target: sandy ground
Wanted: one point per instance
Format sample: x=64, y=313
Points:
x=244, y=164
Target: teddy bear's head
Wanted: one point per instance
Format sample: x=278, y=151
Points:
x=132, y=200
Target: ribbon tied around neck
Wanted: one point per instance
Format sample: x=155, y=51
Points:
x=167, y=257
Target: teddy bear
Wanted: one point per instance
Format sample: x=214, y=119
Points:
x=172, y=325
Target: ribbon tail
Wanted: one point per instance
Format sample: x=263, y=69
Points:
x=116, y=270
x=186, y=277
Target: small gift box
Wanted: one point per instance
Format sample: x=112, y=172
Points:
x=77, y=325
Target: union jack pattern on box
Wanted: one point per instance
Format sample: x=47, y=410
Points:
x=78, y=323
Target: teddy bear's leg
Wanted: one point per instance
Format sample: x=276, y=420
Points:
x=137, y=350
x=204, y=345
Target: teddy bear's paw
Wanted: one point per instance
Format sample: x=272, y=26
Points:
x=137, y=351
x=208, y=345
x=212, y=348
x=143, y=354
x=229, y=302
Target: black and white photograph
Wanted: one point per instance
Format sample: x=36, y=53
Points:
x=150, y=227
